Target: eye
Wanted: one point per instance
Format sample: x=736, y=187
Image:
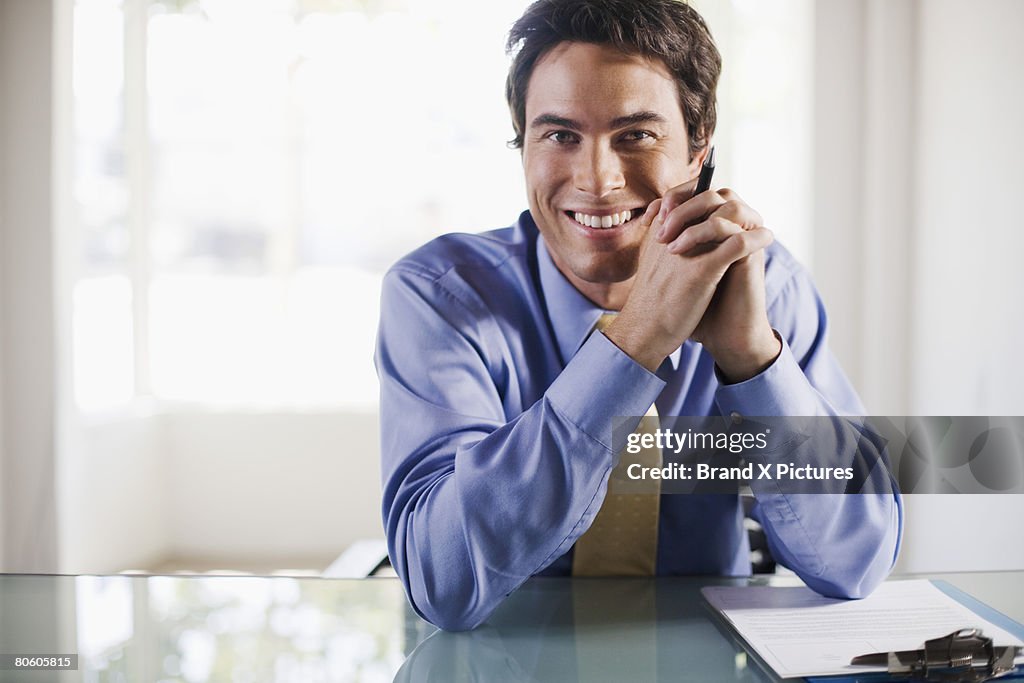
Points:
x=637, y=135
x=562, y=137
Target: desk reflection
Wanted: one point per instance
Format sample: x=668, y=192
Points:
x=590, y=630
x=186, y=629
x=208, y=628
x=232, y=628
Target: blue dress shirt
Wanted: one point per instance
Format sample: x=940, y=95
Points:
x=496, y=417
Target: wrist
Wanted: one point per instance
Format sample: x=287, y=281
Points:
x=636, y=342
x=748, y=360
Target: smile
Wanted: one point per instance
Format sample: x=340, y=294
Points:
x=606, y=221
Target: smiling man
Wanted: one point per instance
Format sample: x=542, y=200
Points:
x=505, y=356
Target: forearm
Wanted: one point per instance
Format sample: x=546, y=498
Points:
x=840, y=545
x=502, y=510
x=473, y=507
x=837, y=532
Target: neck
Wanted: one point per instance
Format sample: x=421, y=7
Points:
x=611, y=296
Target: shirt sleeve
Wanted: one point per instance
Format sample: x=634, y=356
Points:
x=841, y=545
x=475, y=503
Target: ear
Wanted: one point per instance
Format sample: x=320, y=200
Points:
x=700, y=156
x=698, y=159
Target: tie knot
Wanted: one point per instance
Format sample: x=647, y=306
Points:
x=604, y=321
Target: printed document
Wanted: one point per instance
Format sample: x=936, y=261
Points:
x=800, y=633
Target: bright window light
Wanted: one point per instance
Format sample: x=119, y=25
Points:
x=247, y=170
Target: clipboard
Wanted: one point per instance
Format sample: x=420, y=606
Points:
x=983, y=610
x=976, y=606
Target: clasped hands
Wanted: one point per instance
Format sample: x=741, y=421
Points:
x=700, y=276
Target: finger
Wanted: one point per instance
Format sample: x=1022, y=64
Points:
x=682, y=193
x=736, y=210
x=651, y=213
x=676, y=196
x=729, y=195
x=742, y=244
x=725, y=202
x=692, y=210
x=649, y=221
x=712, y=231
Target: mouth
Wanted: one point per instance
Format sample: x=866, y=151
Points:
x=605, y=221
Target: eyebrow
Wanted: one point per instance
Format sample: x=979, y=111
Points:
x=638, y=117
x=554, y=120
x=618, y=122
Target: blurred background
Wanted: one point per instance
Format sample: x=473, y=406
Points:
x=198, y=199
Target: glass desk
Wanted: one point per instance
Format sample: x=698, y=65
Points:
x=248, y=628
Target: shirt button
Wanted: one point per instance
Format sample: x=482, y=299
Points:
x=736, y=418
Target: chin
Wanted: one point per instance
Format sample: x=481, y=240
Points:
x=607, y=271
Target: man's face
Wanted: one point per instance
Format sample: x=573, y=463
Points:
x=604, y=137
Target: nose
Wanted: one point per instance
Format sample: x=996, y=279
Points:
x=599, y=171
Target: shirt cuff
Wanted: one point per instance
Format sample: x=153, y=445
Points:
x=781, y=389
x=600, y=383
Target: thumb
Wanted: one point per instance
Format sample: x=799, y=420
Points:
x=651, y=212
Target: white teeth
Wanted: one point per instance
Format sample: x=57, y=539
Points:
x=602, y=221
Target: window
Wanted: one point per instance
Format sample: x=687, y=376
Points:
x=247, y=170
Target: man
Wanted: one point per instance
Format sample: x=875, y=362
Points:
x=497, y=393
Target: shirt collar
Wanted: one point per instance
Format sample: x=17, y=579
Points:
x=572, y=315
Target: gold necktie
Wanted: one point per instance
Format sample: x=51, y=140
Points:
x=623, y=539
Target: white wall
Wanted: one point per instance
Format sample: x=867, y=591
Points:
x=864, y=107
x=218, y=489
x=273, y=488
x=28, y=516
x=918, y=168
x=969, y=317
x=917, y=153
x=4, y=90
x=114, y=503
x=948, y=533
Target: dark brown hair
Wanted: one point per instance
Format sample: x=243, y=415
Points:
x=668, y=30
